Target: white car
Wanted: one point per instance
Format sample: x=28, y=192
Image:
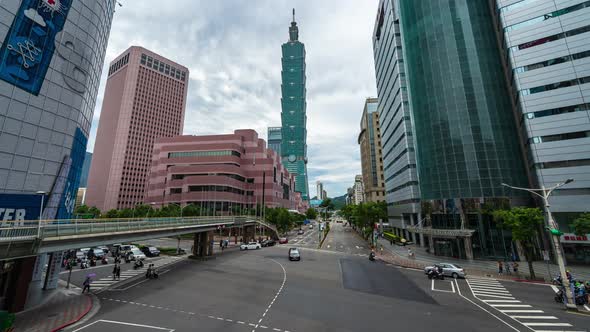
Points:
x=136, y=254
x=250, y=245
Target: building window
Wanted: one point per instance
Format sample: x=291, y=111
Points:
x=203, y=154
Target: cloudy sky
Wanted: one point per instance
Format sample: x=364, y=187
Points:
x=233, y=51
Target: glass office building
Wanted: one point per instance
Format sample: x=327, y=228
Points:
x=293, y=115
x=467, y=143
x=274, y=136
x=547, y=57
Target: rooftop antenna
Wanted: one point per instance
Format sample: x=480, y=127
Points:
x=293, y=14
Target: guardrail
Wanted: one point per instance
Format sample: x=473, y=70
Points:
x=30, y=230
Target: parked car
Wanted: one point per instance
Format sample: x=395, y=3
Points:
x=300, y=232
x=250, y=246
x=449, y=270
x=294, y=254
x=104, y=249
x=268, y=243
x=136, y=254
x=311, y=226
x=283, y=240
x=97, y=252
x=151, y=251
x=80, y=255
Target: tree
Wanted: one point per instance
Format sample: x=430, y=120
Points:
x=112, y=213
x=94, y=211
x=581, y=225
x=82, y=209
x=524, y=224
x=311, y=213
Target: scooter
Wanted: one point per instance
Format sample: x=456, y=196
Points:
x=151, y=273
x=372, y=256
x=92, y=262
x=138, y=264
x=84, y=263
x=104, y=260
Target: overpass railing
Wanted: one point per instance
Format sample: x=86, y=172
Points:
x=30, y=230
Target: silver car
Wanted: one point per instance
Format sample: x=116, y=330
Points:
x=449, y=270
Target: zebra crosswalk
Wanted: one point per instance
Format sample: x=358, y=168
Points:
x=102, y=284
x=494, y=294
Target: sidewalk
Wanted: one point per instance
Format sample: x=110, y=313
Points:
x=399, y=256
x=63, y=308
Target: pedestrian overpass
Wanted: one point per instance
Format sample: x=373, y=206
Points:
x=30, y=238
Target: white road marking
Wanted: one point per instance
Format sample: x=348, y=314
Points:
x=511, y=305
x=276, y=295
x=547, y=324
x=125, y=323
x=482, y=308
x=523, y=311
x=502, y=301
x=534, y=317
x=494, y=296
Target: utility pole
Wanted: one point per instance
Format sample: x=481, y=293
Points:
x=555, y=236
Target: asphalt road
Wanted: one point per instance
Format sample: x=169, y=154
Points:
x=328, y=290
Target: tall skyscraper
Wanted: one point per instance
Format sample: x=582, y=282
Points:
x=369, y=140
x=402, y=191
x=293, y=105
x=319, y=189
x=144, y=99
x=545, y=45
x=358, y=190
x=467, y=143
x=274, y=139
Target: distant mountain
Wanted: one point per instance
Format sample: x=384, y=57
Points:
x=339, y=202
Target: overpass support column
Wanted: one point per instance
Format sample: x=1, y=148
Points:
x=249, y=233
x=203, y=244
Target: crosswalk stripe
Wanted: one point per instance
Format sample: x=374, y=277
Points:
x=522, y=311
x=546, y=324
x=534, y=317
x=495, y=296
x=503, y=301
x=490, y=284
x=491, y=290
x=511, y=305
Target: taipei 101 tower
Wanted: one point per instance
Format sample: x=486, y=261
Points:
x=293, y=114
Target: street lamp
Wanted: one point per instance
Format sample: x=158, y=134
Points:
x=555, y=234
x=42, y=193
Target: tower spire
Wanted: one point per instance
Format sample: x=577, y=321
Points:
x=293, y=29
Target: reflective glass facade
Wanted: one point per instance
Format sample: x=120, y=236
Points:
x=466, y=137
x=274, y=136
x=293, y=115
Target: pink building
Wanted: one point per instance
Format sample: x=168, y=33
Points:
x=144, y=99
x=221, y=172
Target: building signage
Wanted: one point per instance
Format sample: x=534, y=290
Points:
x=573, y=238
x=19, y=207
x=30, y=43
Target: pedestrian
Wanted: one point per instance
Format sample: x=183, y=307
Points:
x=507, y=267
x=115, y=271
x=410, y=253
x=86, y=284
x=118, y=272
x=221, y=244
x=391, y=241
x=515, y=267
x=500, y=267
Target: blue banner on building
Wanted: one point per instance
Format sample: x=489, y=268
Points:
x=19, y=207
x=29, y=45
x=77, y=154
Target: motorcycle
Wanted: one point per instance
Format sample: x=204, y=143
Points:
x=92, y=262
x=138, y=264
x=372, y=256
x=84, y=263
x=151, y=273
x=434, y=274
x=104, y=260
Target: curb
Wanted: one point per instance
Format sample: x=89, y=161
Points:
x=88, y=308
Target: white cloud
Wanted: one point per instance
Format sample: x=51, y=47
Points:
x=233, y=51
